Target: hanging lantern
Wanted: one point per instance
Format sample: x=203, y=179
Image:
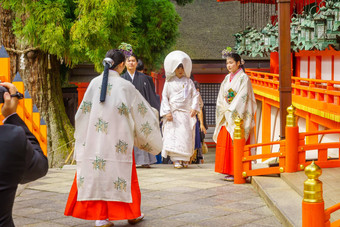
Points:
x=323, y=24
x=276, y=37
x=238, y=42
x=336, y=26
x=247, y=44
x=273, y=42
x=320, y=26
x=294, y=28
x=309, y=26
x=252, y=38
x=330, y=16
x=247, y=41
x=256, y=50
x=266, y=38
x=242, y=48
x=301, y=32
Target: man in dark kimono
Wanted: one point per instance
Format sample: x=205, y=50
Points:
x=146, y=87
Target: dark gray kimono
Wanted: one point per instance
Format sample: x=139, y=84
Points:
x=146, y=87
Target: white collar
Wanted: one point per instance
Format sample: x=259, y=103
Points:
x=132, y=76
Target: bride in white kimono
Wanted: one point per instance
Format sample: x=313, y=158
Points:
x=180, y=104
x=112, y=118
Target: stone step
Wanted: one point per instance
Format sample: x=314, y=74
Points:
x=284, y=194
x=284, y=201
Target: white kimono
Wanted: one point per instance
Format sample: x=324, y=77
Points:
x=179, y=97
x=105, y=134
x=242, y=105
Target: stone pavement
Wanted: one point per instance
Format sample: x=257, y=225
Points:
x=196, y=196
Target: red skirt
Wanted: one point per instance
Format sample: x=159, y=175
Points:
x=224, y=153
x=101, y=210
x=224, y=159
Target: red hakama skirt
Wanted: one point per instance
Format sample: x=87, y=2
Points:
x=101, y=210
x=224, y=153
x=224, y=159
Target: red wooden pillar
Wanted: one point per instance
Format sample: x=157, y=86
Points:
x=82, y=86
x=284, y=62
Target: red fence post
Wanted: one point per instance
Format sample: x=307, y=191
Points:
x=313, y=206
x=239, y=143
x=292, y=141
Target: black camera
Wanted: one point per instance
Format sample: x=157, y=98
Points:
x=4, y=89
x=2, y=92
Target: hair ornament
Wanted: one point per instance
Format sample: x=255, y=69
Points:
x=108, y=61
x=226, y=52
x=126, y=48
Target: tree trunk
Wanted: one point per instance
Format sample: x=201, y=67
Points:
x=7, y=37
x=41, y=76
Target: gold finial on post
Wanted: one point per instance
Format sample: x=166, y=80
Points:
x=238, y=131
x=291, y=118
x=312, y=192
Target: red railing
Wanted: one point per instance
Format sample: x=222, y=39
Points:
x=319, y=97
x=322, y=149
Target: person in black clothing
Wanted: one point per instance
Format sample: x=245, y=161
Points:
x=145, y=86
x=21, y=157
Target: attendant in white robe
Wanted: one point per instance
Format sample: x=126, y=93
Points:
x=180, y=104
x=235, y=99
x=112, y=118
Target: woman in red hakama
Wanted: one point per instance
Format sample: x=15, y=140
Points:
x=101, y=210
x=236, y=99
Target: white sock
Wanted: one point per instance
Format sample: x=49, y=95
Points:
x=102, y=222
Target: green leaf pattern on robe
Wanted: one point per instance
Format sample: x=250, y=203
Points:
x=99, y=164
x=120, y=184
x=108, y=89
x=142, y=109
x=86, y=107
x=146, y=129
x=121, y=147
x=102, y=126
x=123, y=110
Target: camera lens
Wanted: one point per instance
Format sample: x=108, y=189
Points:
x=2, y=92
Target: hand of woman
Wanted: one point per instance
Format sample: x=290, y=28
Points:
x=169, y=117
x=193, y=113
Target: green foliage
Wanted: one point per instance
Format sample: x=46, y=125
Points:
x=83, y=30
x=46, y=26
x=156, y=29
x=101, y=25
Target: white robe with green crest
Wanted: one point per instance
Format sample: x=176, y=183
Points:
x=242, y=105
x=105, y=134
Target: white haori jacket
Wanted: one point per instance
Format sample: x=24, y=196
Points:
x=179, y=97
x=242, y=105
x=105, y=134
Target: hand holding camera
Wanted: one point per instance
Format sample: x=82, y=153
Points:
x=9, y=95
